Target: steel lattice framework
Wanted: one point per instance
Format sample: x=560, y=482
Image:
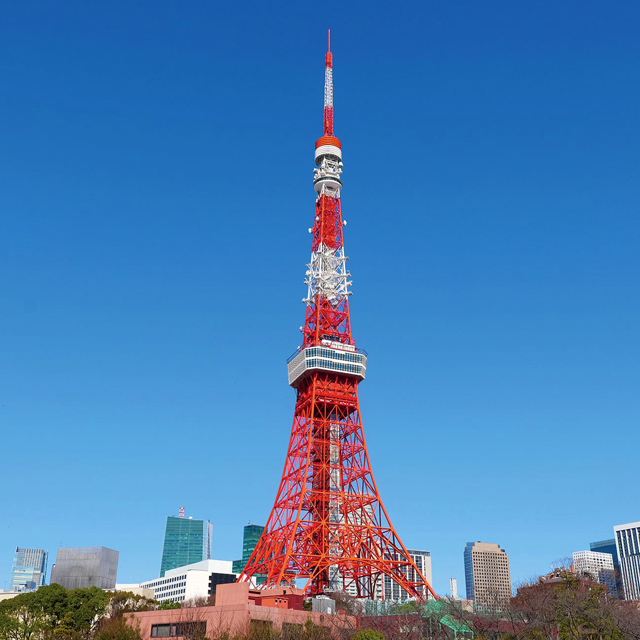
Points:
x=328, y=524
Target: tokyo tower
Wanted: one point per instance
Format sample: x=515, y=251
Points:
x=328, y=525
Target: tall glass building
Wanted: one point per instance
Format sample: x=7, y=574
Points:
x=185, y=541
x=250, y=537
x=29, y=569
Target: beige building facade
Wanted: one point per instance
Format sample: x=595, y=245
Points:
x=487, y=575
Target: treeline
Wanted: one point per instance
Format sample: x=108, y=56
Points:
x=52, y=612
x=568, y=609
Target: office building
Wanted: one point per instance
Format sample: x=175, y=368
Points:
x=596, y=566
x=186, y=541
x=197, y=580
x=606, y=546
x=393, y=591
x=487, y=575
x=250, y=537
x=29, y=569
x=627, y=537
x=84, y=567
x=609, y=546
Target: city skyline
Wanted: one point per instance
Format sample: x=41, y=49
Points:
x=134, y=183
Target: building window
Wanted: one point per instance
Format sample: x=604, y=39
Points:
x=260, y=625
x=179, y=630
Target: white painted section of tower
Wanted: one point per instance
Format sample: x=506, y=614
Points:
x=328, y=150
x=326, y=177
x=328, y=87
x=327, y=275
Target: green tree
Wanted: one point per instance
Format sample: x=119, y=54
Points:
x=53, y=601
x=21, y=619
x=368, y=634
x=118, y=629
x=86, y=607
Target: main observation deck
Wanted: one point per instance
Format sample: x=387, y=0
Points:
x=329, y=356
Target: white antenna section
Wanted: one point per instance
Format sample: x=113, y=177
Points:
x=327, y=275
x=328, y=86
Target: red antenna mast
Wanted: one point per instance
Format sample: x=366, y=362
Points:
x=328, y=525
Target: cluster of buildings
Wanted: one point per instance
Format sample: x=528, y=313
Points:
x=187, y=570
x=614, y=563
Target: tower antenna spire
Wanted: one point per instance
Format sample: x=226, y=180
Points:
x=328, y=90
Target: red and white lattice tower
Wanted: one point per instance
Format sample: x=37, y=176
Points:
x=328, y=524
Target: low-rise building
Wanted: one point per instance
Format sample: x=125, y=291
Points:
x=136, y=589
x=237, y=611
x=197, y=580
x=6, y=595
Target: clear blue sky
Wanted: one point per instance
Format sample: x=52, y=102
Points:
x=156, y=190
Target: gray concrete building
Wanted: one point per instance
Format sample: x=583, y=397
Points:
x=83, y=567
x=487, y=575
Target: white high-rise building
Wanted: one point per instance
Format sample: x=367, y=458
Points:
x=596, y=566
x=628, y=546
x=393, y=591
